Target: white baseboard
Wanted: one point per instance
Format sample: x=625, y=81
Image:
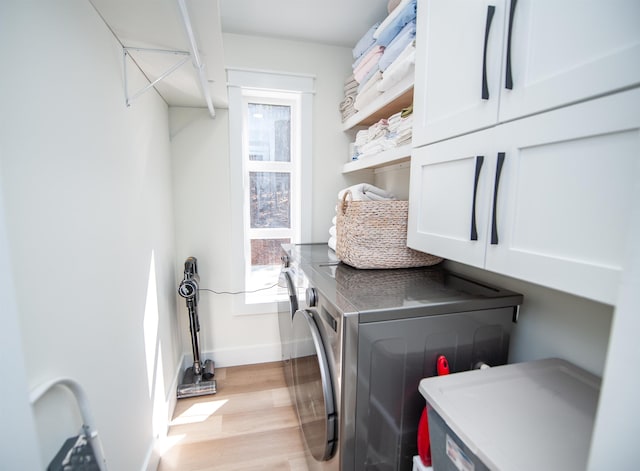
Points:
x=152, y=458
x=172, y=399
x=247, y=355
x=238, y=356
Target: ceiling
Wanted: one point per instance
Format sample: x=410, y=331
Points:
x=157, y=25
x=335, y=22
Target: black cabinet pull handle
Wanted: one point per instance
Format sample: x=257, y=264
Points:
x=509, y=77
x=494, y=219
x=485, y=87
x=474, y=230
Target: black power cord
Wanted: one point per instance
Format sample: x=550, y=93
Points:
x=238, y=292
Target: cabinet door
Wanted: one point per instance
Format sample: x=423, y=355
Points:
x=456, y=90
x=450, y=188
x=565, y=51
x=568, y=180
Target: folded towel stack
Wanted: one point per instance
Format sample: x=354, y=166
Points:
x=403, y=66
x=401, y=127
x=368, y=91
x=350, y=91
x=383, y=56
x=366, y=192
x=359, y=192
x=391, y=26
x=384, y=135
x=406, y=36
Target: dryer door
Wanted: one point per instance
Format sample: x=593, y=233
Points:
x=314, y=395
x=286, y=308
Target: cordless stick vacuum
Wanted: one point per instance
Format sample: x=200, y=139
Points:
x=198, y=379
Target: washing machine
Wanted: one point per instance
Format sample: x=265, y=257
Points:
x=361, y=341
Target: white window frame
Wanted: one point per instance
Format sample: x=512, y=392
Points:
x=243, y=85
x=292, y=167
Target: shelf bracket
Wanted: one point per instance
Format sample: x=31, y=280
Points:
x=197, y=62
x=192, y=54
x=125, y=52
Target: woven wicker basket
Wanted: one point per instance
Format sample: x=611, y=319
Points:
x=373, y=234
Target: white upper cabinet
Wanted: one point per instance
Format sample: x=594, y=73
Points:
x=536, y=55
x=565, y=195
x=458, y=67
x=562, y=52
x=545, y=199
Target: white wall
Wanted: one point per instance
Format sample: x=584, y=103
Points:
x=553, y=323
x=87, y=189
x=394, y=178
x=200, y=153
x=14, y=402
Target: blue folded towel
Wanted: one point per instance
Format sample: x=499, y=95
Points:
x=399, y=44
x=391, y=30
x=365, y=42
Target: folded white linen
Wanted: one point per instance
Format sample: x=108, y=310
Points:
x=378, y=129
x=407, y=123
x=366, y=192
x=332, y=243
x=370, y=94
x=375, y=147
x=402, y=67
x=332, y=231
x=347, y=102
x=362, y=137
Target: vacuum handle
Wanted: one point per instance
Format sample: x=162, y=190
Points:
x=190, y=266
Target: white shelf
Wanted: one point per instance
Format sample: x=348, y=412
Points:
x=393, y=100
x=388, y=157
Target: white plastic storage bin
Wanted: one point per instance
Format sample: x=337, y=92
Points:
x=519, y=417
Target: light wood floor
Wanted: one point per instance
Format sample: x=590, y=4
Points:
x=249, y=424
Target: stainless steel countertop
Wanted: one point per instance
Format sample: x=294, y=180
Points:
x=396, y=293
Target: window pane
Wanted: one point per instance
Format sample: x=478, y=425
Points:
x=269, y=132
x=266, y=251
x=270, y=194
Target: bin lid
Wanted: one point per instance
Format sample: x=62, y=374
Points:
x=523, y=416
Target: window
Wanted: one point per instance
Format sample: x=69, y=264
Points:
x=270, y=130
x=271, y=162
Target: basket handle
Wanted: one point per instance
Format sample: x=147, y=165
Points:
x=343, y=206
